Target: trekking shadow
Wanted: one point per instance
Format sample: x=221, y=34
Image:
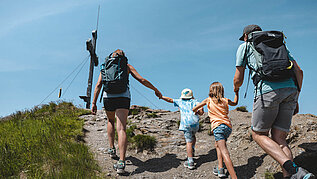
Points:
x=248, y=170
x=211, y=156
x=165, y=163
x=308, y=159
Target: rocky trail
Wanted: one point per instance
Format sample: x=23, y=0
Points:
x=167, y=158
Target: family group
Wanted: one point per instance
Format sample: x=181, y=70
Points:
x=277, y=82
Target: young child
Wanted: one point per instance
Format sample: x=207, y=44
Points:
x=218, y=110
x=189, y=123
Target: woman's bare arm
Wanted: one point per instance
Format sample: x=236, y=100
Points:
x=143, y=81
x=96, y=94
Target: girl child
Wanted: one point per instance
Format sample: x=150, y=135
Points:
x=221, y=127
x=189, y=123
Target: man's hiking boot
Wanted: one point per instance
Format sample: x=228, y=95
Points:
x=112, y=152
x=119, y=166
x=302, y=174
x=189, y=165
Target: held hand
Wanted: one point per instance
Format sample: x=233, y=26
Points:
x=236, y=89
x=158, y=94
x=94, y=109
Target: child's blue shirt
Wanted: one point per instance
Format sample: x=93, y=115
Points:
x=188, y=118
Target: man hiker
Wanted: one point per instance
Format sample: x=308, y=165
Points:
x=275, y=95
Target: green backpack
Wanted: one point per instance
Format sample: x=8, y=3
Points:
x=114, y=73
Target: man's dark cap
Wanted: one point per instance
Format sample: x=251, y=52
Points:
x=248, y=29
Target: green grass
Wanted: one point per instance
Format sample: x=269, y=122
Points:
x=45, y=142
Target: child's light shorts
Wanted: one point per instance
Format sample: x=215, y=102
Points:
x=190, y=131
x=222, y=132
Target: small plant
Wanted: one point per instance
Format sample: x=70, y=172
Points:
x=178, y=122
x=129, y=132
x=134, y=112
x=268, y=175
x=151, y=115
x=209, y=131
x=242, y=109
x=201, y=127
x=143, y=142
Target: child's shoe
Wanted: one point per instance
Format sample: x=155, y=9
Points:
x=119, y=166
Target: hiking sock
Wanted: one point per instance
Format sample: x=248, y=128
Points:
x=190, y=160
x=290, y=167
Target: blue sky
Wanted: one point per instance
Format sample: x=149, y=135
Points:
x=175, y=44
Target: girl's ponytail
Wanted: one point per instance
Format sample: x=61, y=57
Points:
x=216, y=92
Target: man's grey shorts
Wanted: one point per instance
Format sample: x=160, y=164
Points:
x=274, y=110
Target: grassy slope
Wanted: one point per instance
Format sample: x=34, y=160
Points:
x=45, y=142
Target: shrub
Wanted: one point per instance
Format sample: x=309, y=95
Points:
x=242, y=109
x=143, y=142
x=129, y=133
x=268, y=175
x=134, y=111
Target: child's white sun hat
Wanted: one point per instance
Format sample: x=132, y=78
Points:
x=187, y=94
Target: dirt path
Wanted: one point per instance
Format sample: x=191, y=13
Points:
x=166, y=161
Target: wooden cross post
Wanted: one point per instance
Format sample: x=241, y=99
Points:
x=91, y=47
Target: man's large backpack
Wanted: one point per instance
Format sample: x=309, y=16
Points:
x=114, y=72
x=272, y=61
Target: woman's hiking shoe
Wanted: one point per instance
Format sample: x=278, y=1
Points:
x=112, y=152
x=302, y=174
x=220, y=173
x=119, y=167
x=189, y=165
x=215, y=171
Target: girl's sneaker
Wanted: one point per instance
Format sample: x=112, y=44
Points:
x=119, y=167
x=189, y=165
x=112, y=152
